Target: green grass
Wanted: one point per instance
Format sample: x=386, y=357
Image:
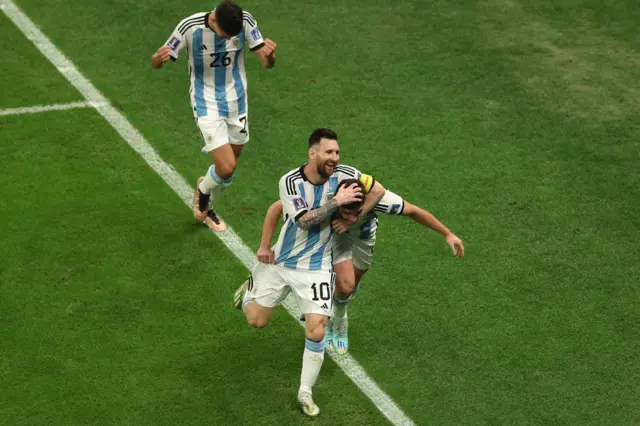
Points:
x=515, y=123
x=28, y=79
x=115, y=307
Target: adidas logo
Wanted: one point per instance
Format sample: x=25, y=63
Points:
x=204, y=47
x=324, y=306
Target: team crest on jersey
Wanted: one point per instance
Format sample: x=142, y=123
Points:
x=255, y=33
x=236, y=42
x=173, y=43
x=300, y=203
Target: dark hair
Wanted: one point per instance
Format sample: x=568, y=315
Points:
x=346, y=183
x=318, y=134
x=229, y=17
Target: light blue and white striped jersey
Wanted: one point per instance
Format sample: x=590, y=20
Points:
x=310, y=249
x=367, y=226
x=216, y=65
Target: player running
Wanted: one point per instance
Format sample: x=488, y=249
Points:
x=302, y=255
x=218, y=92
x=352, y=252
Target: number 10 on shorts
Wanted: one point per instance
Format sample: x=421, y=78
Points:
x=321, y=292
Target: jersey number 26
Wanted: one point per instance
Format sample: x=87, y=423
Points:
x=220, y=60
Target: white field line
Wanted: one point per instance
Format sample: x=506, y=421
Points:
x=135, y=139
x=44, y=108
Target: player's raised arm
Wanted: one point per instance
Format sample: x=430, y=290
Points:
x=161, y=57
x=264, y=49
x=425, y=218
x=172, y=47
x=265, y=254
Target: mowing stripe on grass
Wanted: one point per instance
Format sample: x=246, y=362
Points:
x=44, y=108
x=177, y=182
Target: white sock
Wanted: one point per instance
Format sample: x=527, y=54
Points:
x=311, y=364
x=214, y=185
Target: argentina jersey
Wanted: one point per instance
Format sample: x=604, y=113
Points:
x=306, y=249
x=216, y=65
x=366, y=227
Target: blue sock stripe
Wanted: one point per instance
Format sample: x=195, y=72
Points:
x=245, y=301
x=229, y=179
x=341, y=302
x=218, y=179
x=214, y=175
x=314, y=346
x=355, y=290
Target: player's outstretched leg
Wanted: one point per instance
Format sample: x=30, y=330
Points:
x=341, y=320
x=209, y=190
x=218, y=178
x=200, y=202
x=312, y=360
x=341, y=325
x=328, y=336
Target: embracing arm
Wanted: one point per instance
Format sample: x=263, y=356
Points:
x=319, y=215
x=425, y=218
x=345, y=195
x=373, y=197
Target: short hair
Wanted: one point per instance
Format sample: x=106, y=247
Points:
x=320, y=133
x=346, y=183
x=229, y=17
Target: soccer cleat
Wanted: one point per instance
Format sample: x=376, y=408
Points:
x=307, y=405
x=197, y=195
x=341, y=336
x=328, y=336
x=214, y=222
x=238, y=296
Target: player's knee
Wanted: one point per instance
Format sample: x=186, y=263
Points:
x=258, y=321
x=316, y=334
x=314, y=328
x=345, y=284
x=257, y=318
x=226, y=169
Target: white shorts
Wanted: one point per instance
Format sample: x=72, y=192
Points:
x=359, y=251
x=269, y=285
x=217, y=131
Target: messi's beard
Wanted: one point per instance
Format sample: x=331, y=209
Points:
x=322, y=173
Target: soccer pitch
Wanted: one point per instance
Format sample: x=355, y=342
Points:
x=515, y=123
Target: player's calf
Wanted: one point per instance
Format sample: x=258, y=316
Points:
x=312, y=360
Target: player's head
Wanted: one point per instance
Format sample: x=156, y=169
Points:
x=324, y=152
x=351, y=212
x=228, y=19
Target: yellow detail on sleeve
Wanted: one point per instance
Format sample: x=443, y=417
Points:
x=367, y=181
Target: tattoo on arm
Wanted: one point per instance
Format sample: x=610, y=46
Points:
x=318, y=215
